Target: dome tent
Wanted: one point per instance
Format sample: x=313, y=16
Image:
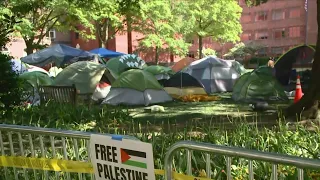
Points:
x=136, y=87
x=258, y=85
x=301, y=55
x=182, y=84
x=217, y=75
x=161, y=73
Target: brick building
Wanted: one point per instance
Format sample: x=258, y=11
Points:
x=277, y=24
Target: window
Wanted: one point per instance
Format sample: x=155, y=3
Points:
x=51, y=34
x=246, y=37
x=245, y=18
x=295, y=13
x=262, y=52
x=279, y=33
x=261, y=35
x=190, y=54
x=261, y=16
x=294, y=32
x=278, y=14
x=277, y=50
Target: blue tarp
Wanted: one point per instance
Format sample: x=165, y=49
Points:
x=60, y=54
x=106, y=53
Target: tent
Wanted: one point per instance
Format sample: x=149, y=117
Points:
x=178, y=66
x=106, y=53
x=258, y=85
x=298, y=56
x=136, y=87
x=217, y=75
x=21, y=67
x=37, y=78
x=161, y=73
x=122, y=63
x=59, y=54
x=182, y=84
x=84, y=75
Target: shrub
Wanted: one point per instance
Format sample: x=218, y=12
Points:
x=10, y=85
x=259, y=60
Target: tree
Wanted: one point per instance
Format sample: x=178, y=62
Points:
x=241, y=50
x=162, y=28
x=7, y=23
x=219, y=19
x=38, y=17
x=309, y=104
x=209, y=52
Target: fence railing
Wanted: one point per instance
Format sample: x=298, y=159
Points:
x=44, y=143
x=229, y=152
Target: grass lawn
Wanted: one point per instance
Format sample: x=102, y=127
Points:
x=223, y=112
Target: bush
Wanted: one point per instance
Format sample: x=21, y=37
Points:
x=259, y=60
x=10, y=85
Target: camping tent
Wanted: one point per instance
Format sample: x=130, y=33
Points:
x=182, y=84
x=84, y=75
x=178, y=66
x=37, y=78
x=106, y=53
x=298, y=56
x=21, y=67
x=258, y=85
x=136, y=87
x=59, y=54
x=217, y=75
x=122, y=63
x=161, y=73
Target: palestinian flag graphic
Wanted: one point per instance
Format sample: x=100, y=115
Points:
x=133, y=158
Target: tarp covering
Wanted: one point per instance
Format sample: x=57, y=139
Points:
x=84, y=75
x=37, y=79
x=59, y=54
x=137, y=79
x=21, y=67
x=120, y=64
x=258, y=85
x=106, y=53
x=298, y=56
x=216, y=75
x=178, y=66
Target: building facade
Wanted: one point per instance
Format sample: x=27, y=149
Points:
x=277, y=24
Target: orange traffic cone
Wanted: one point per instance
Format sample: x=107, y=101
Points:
x=299, y=93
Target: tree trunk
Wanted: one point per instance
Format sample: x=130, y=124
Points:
x=157, y=55
x=200, y=47
x=129, y=34
x=308, y=105
x=29, y=46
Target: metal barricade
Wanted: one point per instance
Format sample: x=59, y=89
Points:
x=230, y=152
x=44, y=143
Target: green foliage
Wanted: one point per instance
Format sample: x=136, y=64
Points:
x=10, y=85
x=209, y=52
x=259, y=60
x=7, y=23
x=162, y=26
x=240, y=50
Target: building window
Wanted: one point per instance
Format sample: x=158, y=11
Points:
x=295, y=13
x=51, y=34
x=246, y=18
x=190, y=54
x=278, y=14
x=246, y=37
x=261, y=16
x=276, y=50
x=294, y=31
x=261, y=35
x=279, y=33
x=262, y=52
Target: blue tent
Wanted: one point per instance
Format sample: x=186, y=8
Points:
x=106, y=53
x=60, y=54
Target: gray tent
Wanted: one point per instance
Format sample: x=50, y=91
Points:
x=217, y=75
x=59, y=54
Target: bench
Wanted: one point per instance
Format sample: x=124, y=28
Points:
x=60, y=94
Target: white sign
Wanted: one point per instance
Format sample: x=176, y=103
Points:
x=114, y=158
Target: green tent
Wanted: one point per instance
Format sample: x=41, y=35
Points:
x=258, y=85
x=120, y=64
x=136, y=87
x=37, y=78
x=85, y=75
x=156, y=70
